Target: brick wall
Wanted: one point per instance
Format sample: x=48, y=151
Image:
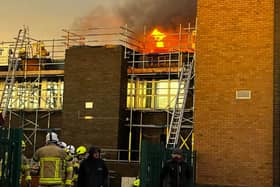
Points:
x=234, y=138
x=93, y=74
x=276, y=129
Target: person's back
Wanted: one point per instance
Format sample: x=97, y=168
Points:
x=51, y=159
x=52, y=163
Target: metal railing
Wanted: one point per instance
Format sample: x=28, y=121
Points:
x=120, y=155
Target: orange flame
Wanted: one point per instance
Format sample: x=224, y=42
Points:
x=159, y=41
x=158, y=37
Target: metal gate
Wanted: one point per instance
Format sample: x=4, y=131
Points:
x=153, y=156
x=10, y=157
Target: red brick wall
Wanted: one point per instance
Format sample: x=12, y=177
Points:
x=234, y=138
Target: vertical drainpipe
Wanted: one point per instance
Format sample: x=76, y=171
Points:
x=130, y=126
x=140, y=135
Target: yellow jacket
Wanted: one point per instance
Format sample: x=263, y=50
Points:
x=54, y=169
x=25, y=169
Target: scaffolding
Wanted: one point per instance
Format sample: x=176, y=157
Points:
x=152, y=85
x=154, y=61
x=38, y=86
x=103, y=36
x=154, y=82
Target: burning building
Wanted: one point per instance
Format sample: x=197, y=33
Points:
x=131, y=87
x=117, y=89
x=114, y=90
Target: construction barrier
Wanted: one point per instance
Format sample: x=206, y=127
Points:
x=153, y=157
x=10, y=157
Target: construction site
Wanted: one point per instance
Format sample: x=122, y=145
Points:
x=209, y=88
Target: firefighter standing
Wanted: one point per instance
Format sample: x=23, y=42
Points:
x=70, y=150
x=25, y=167
x=52, y=163
x=81, y=152
x=68, y=163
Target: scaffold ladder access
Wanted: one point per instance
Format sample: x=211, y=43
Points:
x=12, y=68
x=180, y=104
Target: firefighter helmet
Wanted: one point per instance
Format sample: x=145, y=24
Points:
x=52, y=137
x=63, y=145
x=136, y=182
x=81, y=150
x=71, y=149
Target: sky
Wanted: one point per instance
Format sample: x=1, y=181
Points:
x=45, y=18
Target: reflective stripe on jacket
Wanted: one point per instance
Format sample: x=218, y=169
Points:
x=25, y=169
x=52, y=165
x=76, y=166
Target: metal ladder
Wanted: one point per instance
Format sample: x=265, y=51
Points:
x=180, y=103
x=12, y=68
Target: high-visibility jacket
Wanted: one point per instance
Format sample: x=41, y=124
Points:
x=69, y=170
x=53, y=165
x=68, y=173
x=76, y=166
x=25, y=169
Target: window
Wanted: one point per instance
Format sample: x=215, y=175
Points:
x=33, y=95
x=155, y=94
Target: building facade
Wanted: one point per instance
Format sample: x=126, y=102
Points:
x=237, y=93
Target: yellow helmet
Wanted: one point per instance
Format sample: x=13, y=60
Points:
x=136, y=182
x=81, y=150
x=23, y=145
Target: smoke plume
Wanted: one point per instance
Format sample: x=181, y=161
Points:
x=164, y=13
x=136, y=14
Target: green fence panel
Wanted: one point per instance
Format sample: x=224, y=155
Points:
x=10, y=157
x=150, y=166
x=153, y=157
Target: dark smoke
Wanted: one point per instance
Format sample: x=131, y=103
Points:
x=136, y=14
x=100, y=16
x=164, y=13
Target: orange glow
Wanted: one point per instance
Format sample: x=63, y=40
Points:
x=158, y=37
x=162, y=41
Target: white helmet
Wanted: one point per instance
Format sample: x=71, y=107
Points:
x=63, y=145
x=52, y=137
x=71, y=149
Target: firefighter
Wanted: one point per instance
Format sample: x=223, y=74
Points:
x=62, y=145
x=39, y=50
x=70, y=150
x=53, y=164
x=25, y=167
x=81, y=152
x=69, y=159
